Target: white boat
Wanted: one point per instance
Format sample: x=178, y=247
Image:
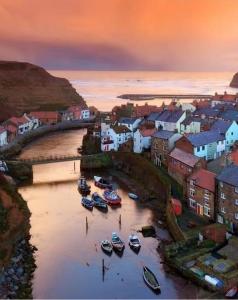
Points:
x=106, y=246
x=134, y=242
x=133, y=196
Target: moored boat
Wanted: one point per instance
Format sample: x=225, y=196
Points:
x=133, y=196
x=111, y=197
x=231, y=293
x=150, y=279
x=83, y=187
x=88, y=203
x=106, y=246
x=102, y=182
x=134, y=242
x=99, y=201
x=117, y=243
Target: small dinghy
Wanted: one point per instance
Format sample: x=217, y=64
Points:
x=134, y=242
x=150, y=279
x=106, y=246
x=231, y=293
x=102, y=183
x=117, y=243
x=88, y=203
x=111, y=197
x=83, y=187
x=99, y=202
x=133, y=196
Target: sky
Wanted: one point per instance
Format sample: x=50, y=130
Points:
x=163, y=35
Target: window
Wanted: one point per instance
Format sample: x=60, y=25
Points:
x=223, y=196
x=236, y=202
x=192, y=182
x=221, y=184
x=236, y=216
x=219, y=219
x=236, y=190
x=193, y=203
x=192, y=192
x=231, y=133
x=206, y=211
x=223, y=210
x=198, y=149
x=203, y=147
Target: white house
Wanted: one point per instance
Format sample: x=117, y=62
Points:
x=170, y=120
x=131, y=123
x=186, y=106
x=3, y=136
x=24, y=123
x=142, y=139
x=114, y=137
x=85, y=114
x=229, y=129
x=190, y=125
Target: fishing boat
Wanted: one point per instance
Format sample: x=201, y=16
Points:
x=231, y=293
x=150, y=279
x=133, y=196
x=99, y=201
x=83, y=187
x=117, y=243
x=102, y=183
x=111, y=197
x=88, y=203
x=134, y=242
x=106, y=246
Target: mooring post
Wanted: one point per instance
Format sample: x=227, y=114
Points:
x=74, y=166
x=120, y=221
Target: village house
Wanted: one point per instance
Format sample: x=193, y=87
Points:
x=141, y=111
x=227, y=197
x=150, y=120
x=170, y=120
x=114, y=136
x=229, y=129
x=130, y=123
x=23, y=124
x=225, y=98
x=162, y=143
x=190, y=107
x=207, y=144
x=12, y=131
x=3, y=136
x=190, y=125
x=182, y=164
x=76, y=112
x=142, y=139
x=46, y=117
x=201, y=193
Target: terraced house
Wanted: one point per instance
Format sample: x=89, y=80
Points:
x=207, y=144
x=227, y=197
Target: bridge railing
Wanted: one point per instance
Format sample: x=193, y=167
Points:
x=49, y=158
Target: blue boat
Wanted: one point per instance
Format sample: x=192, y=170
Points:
x=99, y=201
x=88, y=203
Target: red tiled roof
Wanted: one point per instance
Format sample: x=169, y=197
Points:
x=45, y=114
x=204, y=179
x=234, y=156
x=18, y=121
x=184, y=157
x=147, y=132
x=225, y=97
x=144, y=110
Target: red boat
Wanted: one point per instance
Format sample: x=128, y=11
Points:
x=102, y=183
x=111, y=197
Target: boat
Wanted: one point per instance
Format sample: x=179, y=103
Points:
x=231, y=293
x=133, y=196
x=99, y=201
x=83, y=187
x=102, y=183
x=150, y=279
x=106, y=246
x=117, y=243
x=87, y=202
x=134, y=242
x=111, y=197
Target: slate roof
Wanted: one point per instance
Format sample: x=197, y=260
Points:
x=153, y=116
x=191, y=119
x=229, y=175
x=204, y=138
x=128, y=121
x=221, y=126
x=231, y=115
x=207, y=111
x=163, y=134
x=170, y=116
x=204, y=179
x=184, y=157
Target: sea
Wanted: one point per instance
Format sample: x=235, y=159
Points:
x=102, y=88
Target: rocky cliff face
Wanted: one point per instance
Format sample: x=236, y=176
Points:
x=25, y=87
x=234, y=81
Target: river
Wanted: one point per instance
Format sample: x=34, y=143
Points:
x=69, y=258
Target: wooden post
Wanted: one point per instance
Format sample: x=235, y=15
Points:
x=120, y=220
x=103, y=269
x=86, y=224
x=74, y=166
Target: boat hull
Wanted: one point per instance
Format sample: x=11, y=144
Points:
x=155, y=285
